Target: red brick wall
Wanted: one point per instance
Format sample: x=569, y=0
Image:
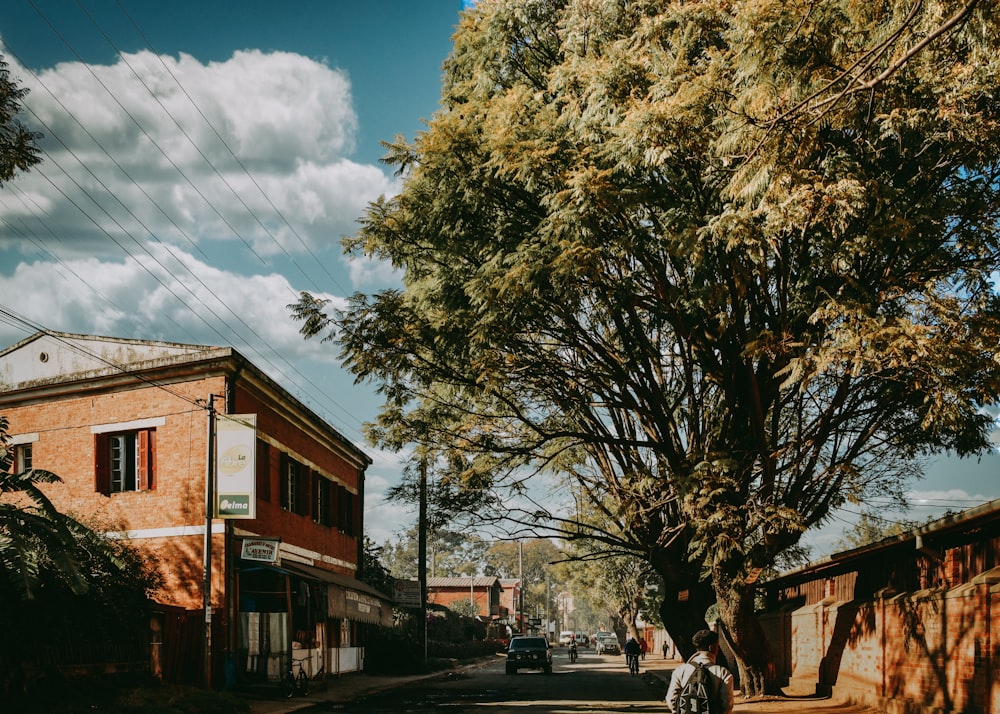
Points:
x=921, y=651
x=450, y=596
x=297, y=529
x=65, y=446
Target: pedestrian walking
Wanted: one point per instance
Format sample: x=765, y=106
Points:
x=700, y=686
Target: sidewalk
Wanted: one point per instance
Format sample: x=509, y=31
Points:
x=348, y=687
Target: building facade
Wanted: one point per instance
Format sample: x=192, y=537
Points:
x=131, y=428
x=908, y=624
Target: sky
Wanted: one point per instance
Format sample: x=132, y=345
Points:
x=202, y=161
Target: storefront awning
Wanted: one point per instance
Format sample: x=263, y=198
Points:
x=347, y=597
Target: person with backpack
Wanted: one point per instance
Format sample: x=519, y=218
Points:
x=700, y=686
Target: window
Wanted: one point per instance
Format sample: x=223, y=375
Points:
x=346, y=516
x=263, y=475
x=125, y=460
x=322, y=500
x=22, y=458
x=294, y=485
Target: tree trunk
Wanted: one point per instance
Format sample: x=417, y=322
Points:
x=686, y=599
x=741, y=628
x=683, y=614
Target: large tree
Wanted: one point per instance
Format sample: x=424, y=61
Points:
x=730, y=260
x=18, y=150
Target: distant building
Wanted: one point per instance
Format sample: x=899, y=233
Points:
x=483, y=591
x=510, y=602
x=125, y=424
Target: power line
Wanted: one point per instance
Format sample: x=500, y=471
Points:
x=229, y=149
x=14, y=319
x=128, y=176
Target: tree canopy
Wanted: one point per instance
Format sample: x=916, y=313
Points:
x=729, y=262
x=18, y=151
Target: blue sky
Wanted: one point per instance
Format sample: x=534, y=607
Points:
x=202, y=162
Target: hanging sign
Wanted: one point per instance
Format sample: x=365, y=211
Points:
x=235, y=466
x=264, y=550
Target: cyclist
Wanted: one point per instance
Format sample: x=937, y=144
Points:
x=632, y=652
x=572, y=648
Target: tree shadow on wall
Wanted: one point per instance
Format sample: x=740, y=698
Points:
x=932, y=638
x=854, y=622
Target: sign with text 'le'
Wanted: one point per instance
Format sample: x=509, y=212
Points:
x=235, y=466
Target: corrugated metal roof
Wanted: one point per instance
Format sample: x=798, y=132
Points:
x=480, y=581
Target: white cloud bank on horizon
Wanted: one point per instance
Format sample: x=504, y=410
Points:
x=153, y=297
x=149, y=153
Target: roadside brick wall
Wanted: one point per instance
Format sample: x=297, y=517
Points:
x=931, y=650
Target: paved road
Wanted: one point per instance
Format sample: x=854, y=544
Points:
x=593, y=683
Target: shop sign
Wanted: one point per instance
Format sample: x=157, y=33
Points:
x=235, y=466
x=406, y=593
x=264, y=550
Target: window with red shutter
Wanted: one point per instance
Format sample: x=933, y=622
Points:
x=125, y=461
x=102, y=463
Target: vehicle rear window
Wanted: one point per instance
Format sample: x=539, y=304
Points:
x=527, y=643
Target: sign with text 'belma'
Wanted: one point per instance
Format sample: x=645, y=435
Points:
x=235, y=466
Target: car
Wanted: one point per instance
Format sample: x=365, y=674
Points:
x=529, y=652
x=581, y=639
x=564, y=637
x=608, y=644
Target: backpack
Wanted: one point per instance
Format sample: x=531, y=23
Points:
x=697, y=696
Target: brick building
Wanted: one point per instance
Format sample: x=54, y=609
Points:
x=483, y=591
x=510, y=603
x=908, y=624
x=125, y=424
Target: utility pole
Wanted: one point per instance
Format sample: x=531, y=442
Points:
x=422, y=551
x=520, y=590
x=206, y=587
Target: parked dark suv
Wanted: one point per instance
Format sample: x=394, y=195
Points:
x=529, y=652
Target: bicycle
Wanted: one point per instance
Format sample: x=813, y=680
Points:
x=319, y=679
x=295, y=683
x=572, y=653
x=633, y=663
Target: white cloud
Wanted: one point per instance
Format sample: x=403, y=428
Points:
x=166, y=293
x=134, y=159
x=364, y=271
x=384, y=520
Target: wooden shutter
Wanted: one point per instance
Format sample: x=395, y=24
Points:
x=334, y=505
x=263, y=475
x=102, y=464
x=303, y=491
x=351, y=522
x=146, y=448
x=330, y=517
x=316, y=502
x=283, y=481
